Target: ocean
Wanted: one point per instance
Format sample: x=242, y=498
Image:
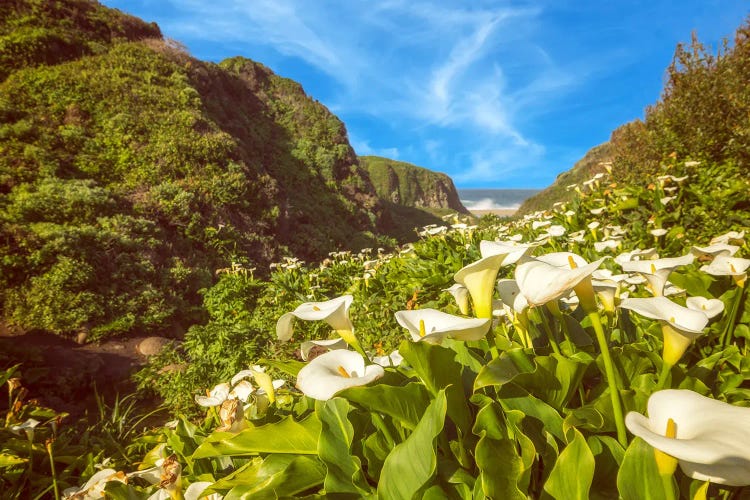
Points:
x=494, y=199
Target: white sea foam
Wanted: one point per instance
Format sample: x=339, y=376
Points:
x=487, y=204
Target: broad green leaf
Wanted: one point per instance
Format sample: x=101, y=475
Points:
x=499, y=464
x=437, y=368
x=277, y=476
x=117, y=490
x=344, y=470
x=285, y=436
x=553, y=378
x=608, y=454
x=289, y=366
x=412, y=463
x=8, y=460
x=574, y=469
x=512, y=397
x=500, y=468
x=504, y=369
x=406, y=403
x=639, y=478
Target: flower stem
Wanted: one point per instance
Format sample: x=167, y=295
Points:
x=49, y=444
x=666, y=481
x=665, y=369
x=548, y=331
x=609, y=370
x=728, y=332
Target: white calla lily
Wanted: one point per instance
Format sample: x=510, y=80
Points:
x=431, y=325
x=712, y=251
x=94, y=487
x=393, y=359
x=329, y=344
x=680, y=325
x=648, y=254
x=479, y=278
x=724, y=265
x=332, y=372
x=335, y=312
x=730, y=237
x=711, y=440
x=461, y=295
x=216, y=396
x=553, y=275
x=710, y=307
x=656, y=271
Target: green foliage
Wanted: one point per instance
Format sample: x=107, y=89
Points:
x=131, y=171
x=702, y=113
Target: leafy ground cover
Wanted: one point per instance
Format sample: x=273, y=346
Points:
x=537, y=357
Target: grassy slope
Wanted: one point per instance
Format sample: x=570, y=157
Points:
x=130, y=171
x=583, y=170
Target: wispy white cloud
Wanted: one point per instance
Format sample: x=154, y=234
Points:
x=432, y=70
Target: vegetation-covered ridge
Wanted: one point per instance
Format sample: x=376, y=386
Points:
x=701, y=115
x=130, y=171
x=406, y=184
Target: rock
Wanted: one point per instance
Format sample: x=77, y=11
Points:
x=151, y=346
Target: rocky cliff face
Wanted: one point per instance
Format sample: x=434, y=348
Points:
x=408, y=185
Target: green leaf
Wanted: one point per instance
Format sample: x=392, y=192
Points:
x=412, y=463
x=512, y=397
x=344, y=470
x=7, y=460
x=276, y=476
x=406, y=403
x=285, y=436
x=639, y=478
x=499, y=464
x=553, y=378
x=574, y=469
x=290, y=366
x=117, y=490
x=504, y=369
x=437, y=368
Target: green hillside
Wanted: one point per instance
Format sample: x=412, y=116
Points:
x=130, y=171
x=411, y=186
x=584, y=169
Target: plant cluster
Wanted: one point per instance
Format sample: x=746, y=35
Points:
x=558, y=355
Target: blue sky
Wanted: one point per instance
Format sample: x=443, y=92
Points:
x=497, y=94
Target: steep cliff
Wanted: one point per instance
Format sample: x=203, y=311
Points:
x=408, y=185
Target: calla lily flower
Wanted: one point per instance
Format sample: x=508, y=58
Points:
x=730, y=237
x=657, y=271
x=512, y=250
x=461, y=294
x=648, y=254
x=553, y=275
x=393, y=359
x=711, y=439
x=712, y=251
x=216, y=396
x=479, y=278
x=724, y=265
x=431, y=325
x=710, y=307
x=328, y=345
x=335, y=312
x=332, y=372
x=680, y=325
x=167, y=473
x=94, y=487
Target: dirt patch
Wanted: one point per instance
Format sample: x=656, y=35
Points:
x=64, y=375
